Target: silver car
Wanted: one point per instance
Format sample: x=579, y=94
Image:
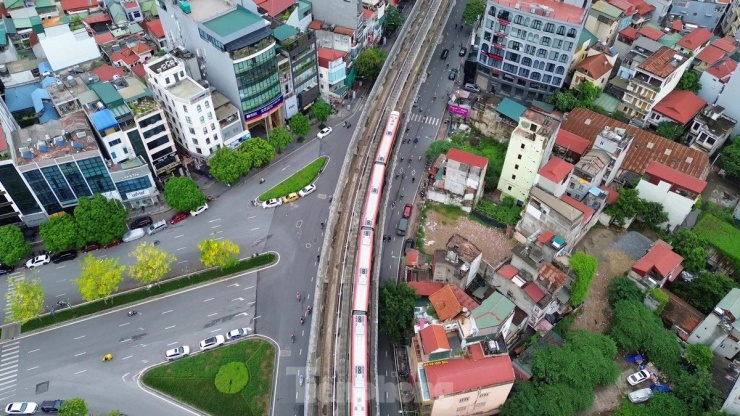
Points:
x=639, y=396
x=238, y=333
x=212, y=342
x=179, y=352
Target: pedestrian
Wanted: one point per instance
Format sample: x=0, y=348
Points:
x=455, y=25
x=330, y=198
x=322, y=225
x=419, y=158
x=318, y=256
x=413, y=179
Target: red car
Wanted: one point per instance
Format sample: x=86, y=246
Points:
x=407, y=210
x=113, y=244
x=90, y=247
x=178, y=217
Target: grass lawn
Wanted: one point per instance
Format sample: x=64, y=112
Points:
x=297, y=181
x=722, y=235
x=191, y=380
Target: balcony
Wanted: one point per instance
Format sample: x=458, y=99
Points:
x=143, y=106
x=500, y=34
x=498, y=45
x=251, y=50
x=646, y=81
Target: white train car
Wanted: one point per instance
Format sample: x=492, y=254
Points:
x=374, y=194
x=360, y=391
x=389, y=137
x=363, y=272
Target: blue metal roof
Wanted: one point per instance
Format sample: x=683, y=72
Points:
x=38, y=97
x=45, y=66
x=103, y=120
x=48, y=82
x=19, y=98
x=49, y=113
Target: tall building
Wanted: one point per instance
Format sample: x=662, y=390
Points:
x=526, y=48
x=298, y=69
x=236, y=53
x=731, y=20
x=699, y=13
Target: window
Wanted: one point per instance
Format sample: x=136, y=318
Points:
x=553, y=55
x=213, y=126
x=188, y=120
x=464, y=399
x=202, y=119
x=560, y=70
x=510, y=68
x=561, y=30
x=550, y=28
x=205, y=130
x=153, y=132
x=210, y=115
x=197, y=150
x=526, y=22
x=461, y=409
x=527, y=61
x=550, y=67
x=522, y=146
x=518, y=19
x=195, y=141
x=192, y=130
x=546, y=78
x=542, y=53
x=534, y=76
x=198, y=108
x=572, y=33
x=530, y=50
x=508, y=187
x=530, y=37
x=522, y=83
x=545, y=41
x=568, y=46
x=486, y=394
x=557, y=81
x=516, y=167
x=564, y=58
x=523, y=72
x=519, y=157
x=208, y=140
x=557, y=43
x=515, y=45
x=537, y=24
x=513, y=177
x=114, y=142
x=208, y=104
x=512, y=56
x=184, y=108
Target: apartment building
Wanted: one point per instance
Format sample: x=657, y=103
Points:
x=599, y=166
x=720, y=330
x=675, y=190
x=727, y=97
x=299, y=76
x=526, y=48
x=678, y=107
x=457, y=178
x=332, y=73
x=603, y=21
x=700, y=13
x=731, y=20
x=596, y=68
x=710, y=129
x=659, y=265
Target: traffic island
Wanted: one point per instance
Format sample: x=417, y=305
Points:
x=296, y=181
x=137, y=295
x=235, y=379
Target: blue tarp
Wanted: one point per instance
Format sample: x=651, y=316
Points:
x=19, y=98
x=45, y=67
x=48, y=82
x=38, y=98
x=49, y=113
x=103, y=120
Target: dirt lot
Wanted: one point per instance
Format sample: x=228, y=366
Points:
x=492, y=242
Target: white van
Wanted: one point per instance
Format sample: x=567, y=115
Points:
x=157, y=227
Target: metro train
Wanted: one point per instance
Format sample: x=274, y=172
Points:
x=360, y=359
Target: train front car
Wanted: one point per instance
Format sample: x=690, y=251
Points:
x=389, y=137
x=360, y=391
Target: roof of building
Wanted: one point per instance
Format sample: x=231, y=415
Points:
x=434, y=338
x=98, y=18
x=722, y=69
x=675, y=177
x=66, y=49
x=660, y=257
x=556, y=170
x=275, y=7
x=677, y=24
x=125, y=55
x=680, y=106
x=76, y=5
x=695, y=39
x=533, y=291
x=18, y=98
x=580, y=206
x=642, y=7
x=445, y=303
x=344, y=31
x=367, y=13
x=315, y=25
x=508, y=271
x=107, y=72
x=463, y=248
x=465, y=300
x=593, y=162
x=545, y=237
x=562, y=12
x=103, y=120
x=327, y=55
x=460, y=375
x=628, y=8
x=727, y=44
x=493, y=311
x=681, y=314
x=553, y=274
x=663, y=62
x=467, y=158
x=606, y=9
x=629, y=32
x=510, y=109
x=425, y=289
x=587, y=36
x=232, y=21
x=710, y=54
x=284, y=32
x=572, y=142
x=563, y=208
x=646, y=146
x=612, y=194
x=650, y=33
x=595, y=66
x=139, y=71
x=104, y=38
x=155, y=26
x=731, y=302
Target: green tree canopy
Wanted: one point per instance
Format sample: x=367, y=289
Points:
x=228, y=165
x=370, y=62
x=530, y=399
x=659, y=296
x=218, y=253
x=588, y=92
x=182, y=194
x=691, y=247
x=13, y=245
x=584, y=267
x=623, y=288
x=100, y=220
x=705, y=291
x=151, y=265
x=320, y=110
x=699, y=355
x=585, y=97
x=626, y=207
x=258, y=151
x=26, y=301
x=696, y=390
x=670, y=130
x=689, y=82
x=396, y=300
x=473, y=10
x=60, y=233
x=633, y=324
x=279, y=138
x=393, y=19
x=731, y=158
x=99, y=278
x=652, y=214
x=300, y=124
x=73, y=407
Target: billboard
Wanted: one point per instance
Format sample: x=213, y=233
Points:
x=460, y=111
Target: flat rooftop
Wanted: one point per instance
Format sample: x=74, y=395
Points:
x=561, y=12
x=202, y=10
x=54, y=139
x=232, y=21
x=66, y=89
x=185, y=89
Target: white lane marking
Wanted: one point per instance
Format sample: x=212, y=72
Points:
x=37, y=349
x=80, y=372
x=253, y=216
x=181, y=248
x=237, y=299
x=8, y=387
x=82, y=353
x=216, y=226
x=2, y=399
x=178, y=236
x=32, y=368
x=63, y=280
x=80, y=337
x=233, y=285
x=216, y=330
x=171, y=343
x=250, y=287
x=213, y=314
x=170, y=327
x=286, y=167
x=63, y=294
x=180, y=262
x=251, y=303
x=126, y=358
x=217, y=219
x=125, y=324
x=61, y=267
x=219, y=238
x=208, y=300
x=123, y=377
x=11, y=375
x=166, y=311
x=255, y=229
x=10, y=357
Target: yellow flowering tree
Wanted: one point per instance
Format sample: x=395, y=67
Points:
x=27, y=301
x=99, y=278
x=218, y=253
x=152, y=264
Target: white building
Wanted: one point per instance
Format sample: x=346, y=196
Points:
x=332, y=72
x=720, y=330
x=675, y=190
x=714, y=79
x=458, y=179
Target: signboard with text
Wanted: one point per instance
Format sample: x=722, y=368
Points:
x=264, y=109
x=459, y=111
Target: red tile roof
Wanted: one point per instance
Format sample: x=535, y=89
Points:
x=3, y=142
x=106, y=72
x=646, y=146
x=461, y=375
x=412, y=257
x=327, y=55
x=125, y=55
x=553, y=274
x=344, y=31
x=710, y=54
x=660, y=63
x=275, y=7
x=642, y=7
x=546, y=237
x=425, y=288
x=433, y=338
x=508, y=271
x=695, y=39
x=534, y=292
x=722, y=69
x=727, y=44
x=367, y=14
x=623, y=5
x=595, y=66
x=613, y=194
x=467, y=158
x=650, y=33
x=681, y=314
x=675, y=177
x=97, y=19
x=572, y=142
x=680, y=106
x=661, y=258
x=104, y=38
x=139, y=71
x=556, y=170
x=155, y=26
x=677, y=25
x=445, y=303
x=315, y=25
x=629, y=32
x=465, y=300
x=586, y=210
x=77, y=5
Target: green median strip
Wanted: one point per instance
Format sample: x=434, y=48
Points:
x=140, y=294
x=297, y=181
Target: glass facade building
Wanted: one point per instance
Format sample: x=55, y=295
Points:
x=258, y=80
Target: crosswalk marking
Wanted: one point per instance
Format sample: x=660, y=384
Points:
x=9, y=368
x=434, y=121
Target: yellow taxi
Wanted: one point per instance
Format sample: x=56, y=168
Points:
x=290, y=197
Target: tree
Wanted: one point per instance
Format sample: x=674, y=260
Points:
x=689, y=82
x=258, y=151
x=99, y=278
x=567, y=100
x=626, y=206
x=584, y=267
x=60, y=233
x=564, y=100
x=623, y=288
x=393, y=19
x=151, y=264
x=705, y=291
x=652, y=214
x=664, y=404
x=691, y=247
x=588, y=92
x=659, y=296
x=696, y=390
x=73, y=407
x=473, y=10
x=218, y=253
x=279, y=138
x=100, y=220
x=669, y=130
x=699, y=355
x=320, y=110
x=370, y=62
x=13, y=245
x=27, y=301
x=183, y=194
x=529, y=399
x=731, y=158
x=396, y=300
x=228, y=165
x=633, y=324
x=300, y=124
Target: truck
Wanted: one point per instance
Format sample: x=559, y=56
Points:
x=403, y=224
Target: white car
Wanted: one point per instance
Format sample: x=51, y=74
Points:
x=639, y=396
x=179, y=352
x=21, y=408
x=324, y=132
x=307, y=190
x=272, y=203
x=38, y=261
x=638, y=377
x=134, y=234
x=238, y=333
x=199, y=210
x=212, y=342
